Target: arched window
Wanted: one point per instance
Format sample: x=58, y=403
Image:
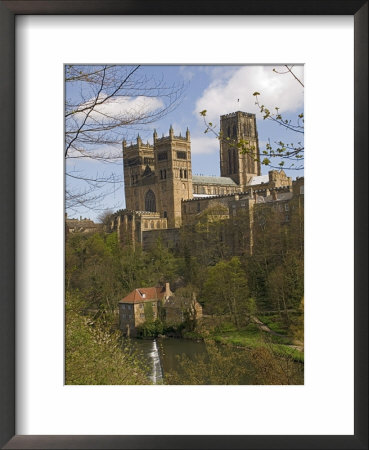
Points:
x=185, y=173
x=229, y=131
x=180, y=173
x=150, y=202
x=234, y=131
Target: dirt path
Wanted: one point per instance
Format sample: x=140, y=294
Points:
x=297, y=346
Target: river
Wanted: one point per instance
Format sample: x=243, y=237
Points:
x=161, y=355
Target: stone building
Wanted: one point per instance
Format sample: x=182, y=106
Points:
x=141, y=305
x=177, y=309
x=81, y=225
x=162, y=193
x=148, y=304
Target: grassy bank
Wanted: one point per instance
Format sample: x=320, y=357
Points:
x=249, y=337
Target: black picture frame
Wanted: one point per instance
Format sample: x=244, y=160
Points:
x=8, y=11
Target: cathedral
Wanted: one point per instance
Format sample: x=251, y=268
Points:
x=161, y=191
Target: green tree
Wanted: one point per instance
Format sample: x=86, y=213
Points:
x=226, y=291
x=94, y=354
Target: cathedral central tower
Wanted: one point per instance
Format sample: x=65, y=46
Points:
x=240, y=167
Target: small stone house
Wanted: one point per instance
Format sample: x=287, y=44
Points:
x=141, y=305
x=177, y=309
x=149, y=304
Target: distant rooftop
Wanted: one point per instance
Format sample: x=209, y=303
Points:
x=144, y=294
x=221, y=181
x=258, y=180
x=204, y=195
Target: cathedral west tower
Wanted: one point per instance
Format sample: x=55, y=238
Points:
x=174, y=174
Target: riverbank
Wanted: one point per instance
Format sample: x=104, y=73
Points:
x=254, y=335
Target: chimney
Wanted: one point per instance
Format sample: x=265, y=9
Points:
x=168, y=292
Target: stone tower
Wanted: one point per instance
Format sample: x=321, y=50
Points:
x=240, y=167
x=173, y=173
x=138, y=162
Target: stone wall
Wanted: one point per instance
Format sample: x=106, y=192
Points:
x=168, y=237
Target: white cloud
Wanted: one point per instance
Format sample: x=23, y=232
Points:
x=278, y=90
x=204, y=145
x=123, y=106
x=99, y=154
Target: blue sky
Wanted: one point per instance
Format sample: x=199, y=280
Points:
x=219, y=90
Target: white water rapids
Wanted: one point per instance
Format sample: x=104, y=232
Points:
x=157, y=373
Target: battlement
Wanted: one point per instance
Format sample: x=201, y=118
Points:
x=235, y=114
x=137, y=213
x=169, y=138
x=138, y=146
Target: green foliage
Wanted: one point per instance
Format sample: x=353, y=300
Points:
x=149, y=312
x=232, y=289
x=272, y=369
x=150, y=328
x=225, y=327
x=226, y=291
x=297, y=324
x=96, y=355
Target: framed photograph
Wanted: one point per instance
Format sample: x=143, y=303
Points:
x=235, y=334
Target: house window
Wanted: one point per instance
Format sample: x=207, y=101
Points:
x=165, y=173
x=181, y=155
x=198, y=207
x=180, y=173
x=286, y=207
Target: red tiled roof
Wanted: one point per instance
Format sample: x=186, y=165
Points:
x=144, y=294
